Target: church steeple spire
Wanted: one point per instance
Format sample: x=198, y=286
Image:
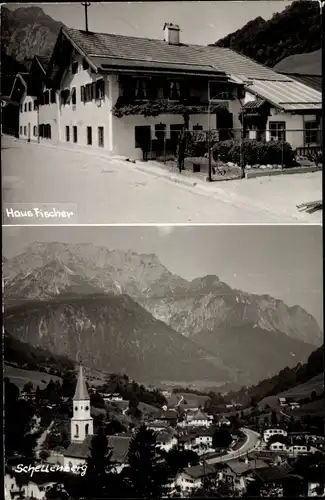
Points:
x=81, y=422
x=81, y=393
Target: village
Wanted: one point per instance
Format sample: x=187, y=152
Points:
x=241, y=450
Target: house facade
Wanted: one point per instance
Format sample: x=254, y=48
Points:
x=273, y=432
x=132, y=96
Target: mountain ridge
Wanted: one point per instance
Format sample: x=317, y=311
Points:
x=295, y=30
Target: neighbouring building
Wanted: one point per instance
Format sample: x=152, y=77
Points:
x=129, y=95
x=29, y=490
x=166, y=440
x=237, y=473
x=197, y=419
x=272, y=432
x=192, y=477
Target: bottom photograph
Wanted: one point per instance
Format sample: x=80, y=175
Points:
x=163, y=361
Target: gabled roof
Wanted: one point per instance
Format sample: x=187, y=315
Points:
x=314, y=82
x=275, y=473
x=119, y=446
x=81, y=393
x=198, y=471
x=241, y=467
x=289, y=95
x=119, y=50
x=79, y=450
x=43, y=62
x=199, y=415
x=109, y=52
x=255, y=105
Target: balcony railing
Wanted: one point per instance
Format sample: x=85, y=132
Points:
x=155, y=107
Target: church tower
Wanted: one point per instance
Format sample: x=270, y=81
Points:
x=81, y=422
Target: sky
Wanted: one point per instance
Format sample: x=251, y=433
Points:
x=200, y=22
x=282, y=261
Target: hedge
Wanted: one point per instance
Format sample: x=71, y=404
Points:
x=254, y=152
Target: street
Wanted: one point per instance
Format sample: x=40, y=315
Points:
x=250, y=444
x=108, y=190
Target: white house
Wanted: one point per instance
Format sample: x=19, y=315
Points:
x=166, y=440
x=224, y=422
x=272, y=432
x=132, y=95
x=278, y=446
x=29, y=490
x=192, y=477
x=197, y=419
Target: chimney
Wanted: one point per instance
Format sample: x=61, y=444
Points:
x=171, y=33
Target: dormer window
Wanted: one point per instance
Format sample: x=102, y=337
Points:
x=141, y=88
x=74, y=67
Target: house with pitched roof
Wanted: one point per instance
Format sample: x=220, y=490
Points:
x=129, y=95
x=197, y=419
x=191, y=478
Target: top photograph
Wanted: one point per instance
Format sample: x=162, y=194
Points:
x=161, y=112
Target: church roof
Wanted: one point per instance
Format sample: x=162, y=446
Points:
x=118, y=445
x=81, y=393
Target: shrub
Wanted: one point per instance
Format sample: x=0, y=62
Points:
x=254, y=152
x=197, y=143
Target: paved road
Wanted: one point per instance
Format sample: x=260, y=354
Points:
x=111, y=190
x=250, y=444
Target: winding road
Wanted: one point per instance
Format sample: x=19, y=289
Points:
x=249, y=445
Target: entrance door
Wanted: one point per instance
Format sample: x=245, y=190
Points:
x=175, y=131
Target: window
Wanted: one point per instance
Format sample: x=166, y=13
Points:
x=101, y=137
x=21, y=130
x=89, y=136
x=35, y=104
x=100, y=89
x=74, y=67
x=73, y=95
x=174, y=93
x=46, y=97
x=141, y=88
x=67, y=133
x=53, y=97
x=88, y=92
x=76, y=430
x=197, y=127
x=25, y=130
x=65, y=96
x=75, y=134
x=76, y=408
x=277, y=131
x=85, y=65
x=25, y=106
x=311, y=134
x=21, y=108
x=34, y=130
x=82, y=93
x=29, y=106
x=87, y=429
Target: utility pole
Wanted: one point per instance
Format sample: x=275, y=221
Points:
x=86, y=5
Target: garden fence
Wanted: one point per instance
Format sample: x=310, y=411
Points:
x=230, y=147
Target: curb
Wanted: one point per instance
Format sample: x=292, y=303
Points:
x=285, y=171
